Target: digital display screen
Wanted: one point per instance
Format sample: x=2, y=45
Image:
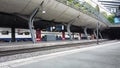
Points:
x=117, y=20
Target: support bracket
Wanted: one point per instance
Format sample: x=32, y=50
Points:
x=100, y=35
x=86, y=34
x=95, y=33
x=68, y=30
x=31, y=26
x=69, y=25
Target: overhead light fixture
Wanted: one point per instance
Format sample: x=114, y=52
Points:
x=43, y=12
x=53, y=27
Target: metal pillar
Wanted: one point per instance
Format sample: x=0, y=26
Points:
x=100, y=35
x=68, y=30
x=31, y=26
x=95, y=34
x=86, y=34
x=13, y=34
x=69, y=25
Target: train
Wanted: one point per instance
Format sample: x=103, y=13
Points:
x=24, y=35
x=20, y=34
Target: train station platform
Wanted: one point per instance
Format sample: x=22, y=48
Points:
x=102, y=56
x=27, y=45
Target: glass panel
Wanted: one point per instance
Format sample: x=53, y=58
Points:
x=5, y=32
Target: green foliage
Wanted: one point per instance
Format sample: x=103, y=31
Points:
x=70, y=0
x=84, y=9
x=111, y=18
x=90, y=8
x=77, y=4
x=104, y=14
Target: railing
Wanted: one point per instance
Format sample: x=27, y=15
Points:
x=87, y=9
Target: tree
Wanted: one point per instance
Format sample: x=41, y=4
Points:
x=70, y=0
x=111, y=18
x=75, y=2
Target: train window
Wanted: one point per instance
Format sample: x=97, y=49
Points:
x=20, y=33
x=5, y=32
x=27, y=33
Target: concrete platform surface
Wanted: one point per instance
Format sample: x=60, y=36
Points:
x=101, y=56
x=25, y=45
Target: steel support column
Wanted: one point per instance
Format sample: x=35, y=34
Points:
x=31, y=26
x=95, y=34
x=100, y=35
x=86, y=34
x=68, y=30
x=69, y=25
x=97, y=29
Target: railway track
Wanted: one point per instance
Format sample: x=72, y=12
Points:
x=29, y=50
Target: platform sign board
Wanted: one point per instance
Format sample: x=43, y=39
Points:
x=117, y=20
